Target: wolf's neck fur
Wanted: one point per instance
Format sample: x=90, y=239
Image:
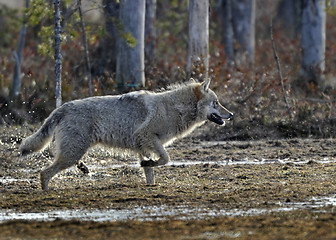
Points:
x=182, y=108
x=184, y=101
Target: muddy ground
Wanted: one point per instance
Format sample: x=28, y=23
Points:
x=265, y=189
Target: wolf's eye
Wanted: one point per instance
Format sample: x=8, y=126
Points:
x=215, y=103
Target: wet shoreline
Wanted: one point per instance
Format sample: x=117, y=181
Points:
x=210, y=190
x=164, y=212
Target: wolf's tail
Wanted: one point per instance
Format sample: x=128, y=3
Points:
x=42, y=137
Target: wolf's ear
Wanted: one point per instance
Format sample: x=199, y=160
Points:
x=205, y=85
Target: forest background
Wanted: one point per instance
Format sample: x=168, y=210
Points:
x=264, y=104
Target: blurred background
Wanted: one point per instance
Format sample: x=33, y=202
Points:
x=287, y=89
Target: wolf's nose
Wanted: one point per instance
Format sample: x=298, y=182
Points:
x=230, y=116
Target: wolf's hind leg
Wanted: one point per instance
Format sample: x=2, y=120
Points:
x=64, y=160
x=50, y=171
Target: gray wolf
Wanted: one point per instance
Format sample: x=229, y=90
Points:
x=142, y=122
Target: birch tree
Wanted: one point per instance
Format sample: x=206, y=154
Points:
x=198, y=43
x=58, y=56
x=130, y=58
x=313, y=36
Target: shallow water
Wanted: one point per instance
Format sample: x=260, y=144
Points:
x=154, y=213
x=6, y=180
x=245, y=161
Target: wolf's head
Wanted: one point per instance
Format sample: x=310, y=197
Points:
x=208, y=105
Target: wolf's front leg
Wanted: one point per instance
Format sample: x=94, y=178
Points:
x=161, y=152
x=149, y=172
x=150, y=176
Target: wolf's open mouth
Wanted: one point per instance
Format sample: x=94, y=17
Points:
x=216, y=118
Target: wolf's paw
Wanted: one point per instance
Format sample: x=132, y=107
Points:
x=149, y=163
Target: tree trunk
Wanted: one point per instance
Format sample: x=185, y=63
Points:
x=130, y=59
x=313, y=38
x=58, y=56
x=289, y=14
x=243, y=24
x=239, y=31
x=16, y=83
x=228, y=31
x=150, y=31
x=198, y=48
x=109, y=53
x=86, y=50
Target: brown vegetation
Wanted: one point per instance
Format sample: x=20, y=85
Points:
x=252, y=93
